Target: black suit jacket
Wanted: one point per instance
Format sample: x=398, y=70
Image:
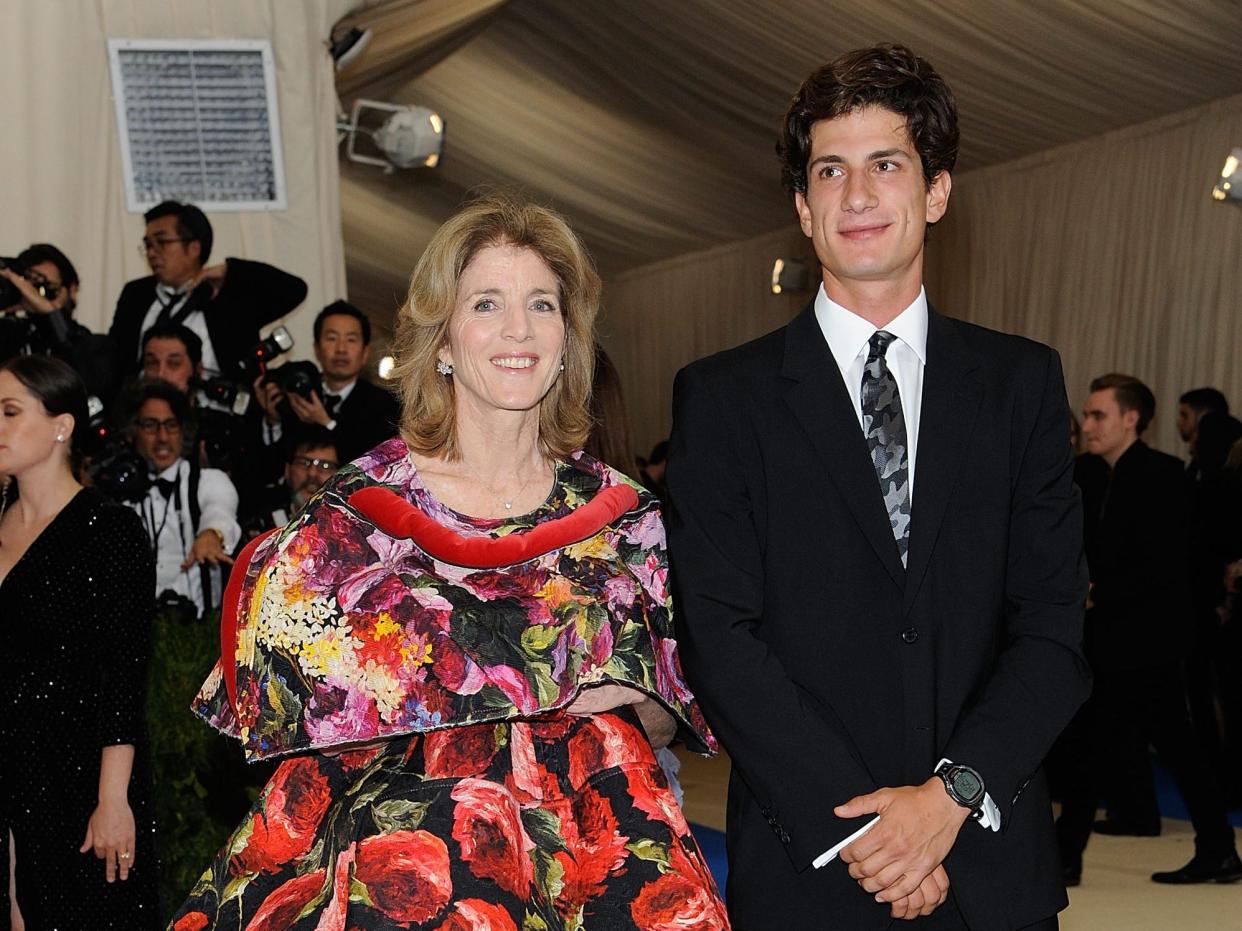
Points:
x=253, y=296
x=366, y=418
x=826, y=668
x=1137, y=533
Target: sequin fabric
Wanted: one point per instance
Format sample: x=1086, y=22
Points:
x=76, y=610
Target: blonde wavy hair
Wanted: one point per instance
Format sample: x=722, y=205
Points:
x=428, y=408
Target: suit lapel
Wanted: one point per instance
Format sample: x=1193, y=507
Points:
x=951, y=395
x=821, y=404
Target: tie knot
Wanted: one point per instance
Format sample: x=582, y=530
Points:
x=879, y=342
x=330, y=401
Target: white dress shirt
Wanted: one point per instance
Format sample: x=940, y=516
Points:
x=173, y=298
x=169, y=526
x=848, y=336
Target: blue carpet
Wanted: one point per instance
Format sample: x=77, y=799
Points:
x=1170, y=800
x=712, y=842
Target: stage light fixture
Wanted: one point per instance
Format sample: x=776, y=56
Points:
x=409, y=137
x=1229, y=185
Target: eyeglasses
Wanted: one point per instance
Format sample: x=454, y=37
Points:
x=323, y=465
x=152, y=426
x=158, y=244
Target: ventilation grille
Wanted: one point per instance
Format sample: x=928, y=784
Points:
x=198, y=122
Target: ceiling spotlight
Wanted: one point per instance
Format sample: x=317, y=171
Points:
x=1229, y=185
x=789, y=276
x=348, y=47
x=409, y=137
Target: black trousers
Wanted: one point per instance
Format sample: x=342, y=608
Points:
x=948, y=918
x=1152, y=703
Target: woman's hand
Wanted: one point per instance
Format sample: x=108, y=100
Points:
x=596, y=699
x=111, y=832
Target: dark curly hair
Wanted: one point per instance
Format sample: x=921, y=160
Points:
x=888, y=76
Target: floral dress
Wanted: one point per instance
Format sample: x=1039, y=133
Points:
x=456, y=642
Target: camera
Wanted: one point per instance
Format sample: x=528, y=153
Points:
x=119, y=472
x=176, y=606
x=301, y=378
x=226, y=395
x=255, y=364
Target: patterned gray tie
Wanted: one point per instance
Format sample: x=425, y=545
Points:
x=885, y=427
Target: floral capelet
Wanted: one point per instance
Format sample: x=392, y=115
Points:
x=379, y=612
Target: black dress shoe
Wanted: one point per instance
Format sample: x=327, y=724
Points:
x=1116, y=828
x=1203, y=870
x=1071, y=871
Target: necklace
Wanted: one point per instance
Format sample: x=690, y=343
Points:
x=492, y=491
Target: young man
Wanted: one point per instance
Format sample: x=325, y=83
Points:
x=1137, y=633
x=224, y=304
x=174, y=353
x=358, y=414
x=877, y=553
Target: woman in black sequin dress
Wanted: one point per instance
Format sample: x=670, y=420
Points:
x=76, y=583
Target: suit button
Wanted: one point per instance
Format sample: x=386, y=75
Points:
x=910, y=634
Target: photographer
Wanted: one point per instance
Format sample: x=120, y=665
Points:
x=312, y=460
x=190, y=513
x=358, y=414
x=38, y=294
x=224, y=304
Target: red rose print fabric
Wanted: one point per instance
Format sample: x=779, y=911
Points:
x=559, y=824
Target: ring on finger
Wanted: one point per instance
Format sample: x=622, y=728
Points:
x=123, y=856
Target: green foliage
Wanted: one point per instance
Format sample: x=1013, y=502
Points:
x=202, y=786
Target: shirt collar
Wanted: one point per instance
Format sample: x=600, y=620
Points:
x=847, y=333
x=173, y=471
x=343, y=392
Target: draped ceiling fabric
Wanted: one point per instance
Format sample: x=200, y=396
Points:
x=652, y=125
x=61, y=164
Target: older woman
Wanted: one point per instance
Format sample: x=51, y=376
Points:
x=482, y=585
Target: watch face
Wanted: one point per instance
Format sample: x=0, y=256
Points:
x=967, y=784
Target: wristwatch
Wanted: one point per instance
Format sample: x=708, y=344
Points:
x=964, y=785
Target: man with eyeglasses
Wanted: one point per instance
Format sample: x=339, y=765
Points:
x=48, y=285
x=311, y=462
x=224, y=304
x=190, y=512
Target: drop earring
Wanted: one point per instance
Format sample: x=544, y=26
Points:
x=444, y=368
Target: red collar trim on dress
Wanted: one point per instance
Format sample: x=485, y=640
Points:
x=230, y=610
x=396, y=517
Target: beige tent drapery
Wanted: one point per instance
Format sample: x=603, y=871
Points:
x=1110, y=250
x=60, y=163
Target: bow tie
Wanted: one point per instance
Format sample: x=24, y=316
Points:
x=167, y=486
x=330, y=401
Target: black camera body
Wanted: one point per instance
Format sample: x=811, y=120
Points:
x=300, y=378
x=119, y=472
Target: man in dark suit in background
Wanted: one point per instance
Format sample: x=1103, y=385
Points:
x=1138, y=632
x=887, y=656
x=358, y=414
x=224, y=304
